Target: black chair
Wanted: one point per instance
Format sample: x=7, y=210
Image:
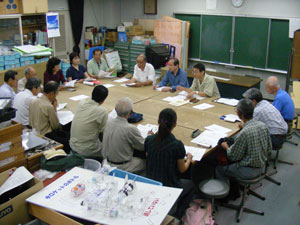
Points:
x=246, y=184
x=277, y=160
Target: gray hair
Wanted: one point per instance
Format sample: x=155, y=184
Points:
x=272, y=81
x=246, y=108
x=124, y=106
x=253, y=94
x=33, y=83
x=27, y=70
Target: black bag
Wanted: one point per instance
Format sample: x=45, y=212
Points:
x=135, y=117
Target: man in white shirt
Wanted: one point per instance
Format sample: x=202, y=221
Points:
x=10, y=82
x=24, y=98
x=143, y=74
x=29, y=72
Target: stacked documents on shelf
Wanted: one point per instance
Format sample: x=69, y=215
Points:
x=33, y=50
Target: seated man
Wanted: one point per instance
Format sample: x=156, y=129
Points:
x=88, y=123
x=24, y=98
x=96, y=64
x=249, y=152
x=265, y=112
x=283, y=102
x=29, y=72
x=43, y=116
x=120, y=139
x=10, y=82
x=143, y=74
x=174, y=77
x=203, y=84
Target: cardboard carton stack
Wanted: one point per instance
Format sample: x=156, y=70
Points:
x=11, y=150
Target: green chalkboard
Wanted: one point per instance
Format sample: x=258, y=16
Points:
x=250, y=41
x=280, y=45
x=194, y=40
x=216, y=38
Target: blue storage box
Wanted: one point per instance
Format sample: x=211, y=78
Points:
x=45, y=59
x=38, y=60
x=131, y=176
x=2, y=63
x=17, y=65
x=7, y=67
x=1, y=67
x=9, y=57
x=17, y=55
x=2, y=58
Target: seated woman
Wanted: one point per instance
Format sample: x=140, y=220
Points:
x=53, y=72
x=76, y=71
x=165, y=159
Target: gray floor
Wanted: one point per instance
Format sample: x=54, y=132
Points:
x=282, y=204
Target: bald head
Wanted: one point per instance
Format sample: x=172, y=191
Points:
x=272, y=85
x=30, y=72
x=141, y=61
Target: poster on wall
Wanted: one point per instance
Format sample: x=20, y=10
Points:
x=52, y=25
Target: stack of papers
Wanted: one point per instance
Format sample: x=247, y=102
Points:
x=174, y=98
x=220, y=78
x=228, y=101
x=70, y=84
x=231, y=118
x=179, y=102
x=197, y=153
x=203, y=106
x=121, y=80
x=144, y=129
x=130, y=84
x=65, y=117
x=210, y=137
x=32, y=50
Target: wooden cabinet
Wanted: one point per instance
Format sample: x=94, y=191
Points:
x=34, y=6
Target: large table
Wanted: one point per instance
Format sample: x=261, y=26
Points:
x=150, y=102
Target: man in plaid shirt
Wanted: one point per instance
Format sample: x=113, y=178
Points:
x=249, y=152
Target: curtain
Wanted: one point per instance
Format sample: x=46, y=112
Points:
x=76, y=15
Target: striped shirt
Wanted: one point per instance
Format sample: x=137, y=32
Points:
x=251, y=145
x=269, y=115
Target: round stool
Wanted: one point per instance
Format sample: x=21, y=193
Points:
x=214, y=189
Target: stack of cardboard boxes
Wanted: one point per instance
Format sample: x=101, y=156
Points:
x=11, y=150
x=23, y=6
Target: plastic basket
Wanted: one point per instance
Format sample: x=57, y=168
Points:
x=91, y=164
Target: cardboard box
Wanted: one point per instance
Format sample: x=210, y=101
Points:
x=89, y=35
x=135, y=30
x=10, y=7
x=112, y=36
x=34, y=6
x=147, y=24
x=15, y=211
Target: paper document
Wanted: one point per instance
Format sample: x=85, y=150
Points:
x=121, y=80
x=90, y=83
x=217, y=128
x=108, y=85
x=197, y=153
x=160, y=88
x=19, y=177
x=228, y=101
x=79, y=97
x=65, y=117
x=123, y=85
x=89, y=79
x=40, y=95
x=70, y=84
x=184, y=93
x=208, y=139
x=61, y=106
x=105, y=74
x=174, y=98
x=144, y=129
x=112, y=114
x=179, y=102
x=203, y=106
x=231, y=118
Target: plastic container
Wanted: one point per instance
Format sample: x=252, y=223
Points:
x=91, y=164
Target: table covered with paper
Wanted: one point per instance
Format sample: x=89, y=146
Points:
x=102, y=200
